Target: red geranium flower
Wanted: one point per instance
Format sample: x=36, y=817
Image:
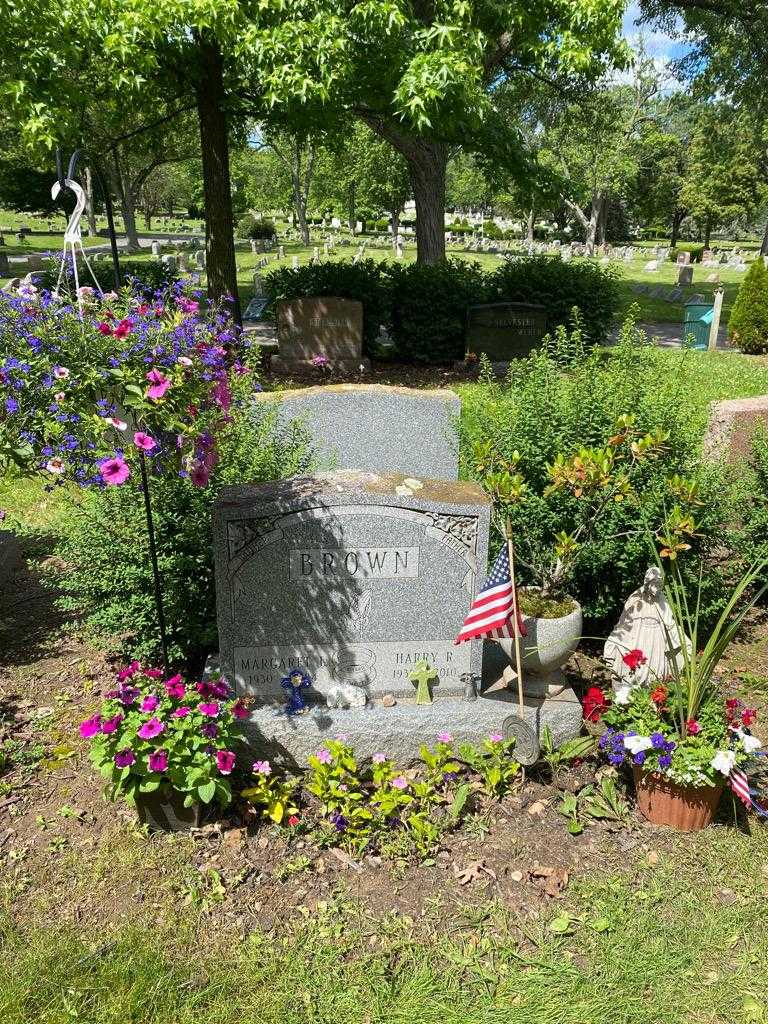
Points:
x=634, y=659
x=659, y=695
x=594, y=703
x=748, y=717
x=293, y=820
x=692, y=727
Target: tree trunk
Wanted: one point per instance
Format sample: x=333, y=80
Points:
x=300, y=202
x=395, y=215
x=217, y=189
x=764, y=246
x=602, y=221
x=352, y=207
x=147, y=218
x=90, y=206
x=127, y=200
x=426, y=168
x=530, y=224
x=677, y=219
x=707, y=231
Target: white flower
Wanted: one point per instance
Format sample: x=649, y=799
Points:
x=55, y=466
x=184, y=361
x=723, y=762
x=634, y=744
x=60, y=372
x=113, y=421
x=751, y=743
x=59, y=396
x=621, y=693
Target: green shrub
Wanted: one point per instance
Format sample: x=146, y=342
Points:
x=151, y=275
x=103, y=544
x=560, y=287
x=362, y=281
x=492, y=230
x=748, y=322
x=255, y=227
x=696, y=251
x=561, y=400
x=429, y=307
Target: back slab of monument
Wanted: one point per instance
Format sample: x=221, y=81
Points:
x=356, y=578
x=374, y=427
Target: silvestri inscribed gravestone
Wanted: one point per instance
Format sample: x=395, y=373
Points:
x=505, y=330
x=354, y=576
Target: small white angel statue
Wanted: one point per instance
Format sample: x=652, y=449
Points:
x=645, y=642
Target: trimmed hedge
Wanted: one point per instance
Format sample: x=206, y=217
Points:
x=255, y=227
x=425, y=307
x=559, y=287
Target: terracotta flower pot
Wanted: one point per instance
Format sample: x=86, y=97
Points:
x=164, y=811
x=662, y=802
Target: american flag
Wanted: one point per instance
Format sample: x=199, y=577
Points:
x=493, y=607
x=739, y=783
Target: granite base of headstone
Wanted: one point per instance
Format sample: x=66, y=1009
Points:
x=344, y=422
x=733, y=427
x=319, y=326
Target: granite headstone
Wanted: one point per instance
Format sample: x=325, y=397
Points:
x=376, y=428
x=505, y=330
x=319, y=326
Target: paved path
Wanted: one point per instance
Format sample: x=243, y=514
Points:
x=670, y=335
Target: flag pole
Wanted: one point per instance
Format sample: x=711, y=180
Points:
x=515, y=613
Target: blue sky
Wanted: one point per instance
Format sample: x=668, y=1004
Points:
x=657, y=44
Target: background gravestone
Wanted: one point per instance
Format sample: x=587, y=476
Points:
x=505, y=330
x=319, y=326
x=377, y=428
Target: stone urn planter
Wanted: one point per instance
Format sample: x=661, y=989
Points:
x=663, y=802
x=547, y=646
x=164, y=811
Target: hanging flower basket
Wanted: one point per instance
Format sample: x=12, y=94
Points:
x=663, y=802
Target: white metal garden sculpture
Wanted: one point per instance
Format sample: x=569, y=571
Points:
x=646, y=625
x=73, y=241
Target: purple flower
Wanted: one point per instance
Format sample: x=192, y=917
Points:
x=665, y=761
x=400, y=782
x=211, y=709
x=150, y=729
x=181, y=712
x=225, y=761
x=262, y=767
x=125, y=758
x=639, y=758
x=444, y=737
x=658, y=741
x=339, y=821
x=210, y=730
x=11, y=405
x=111, y=724
x=158, y=761
x=324, y=756
x=150, y=703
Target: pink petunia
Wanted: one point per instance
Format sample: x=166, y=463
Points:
x=262, y=767
x=181, y=712
x=444, y=737
x=150, y=703
x=125, y=758
x=174, y=687
x=158, y=761
x=150, y=729
x=153, y=673
x=495, y=737
x=324, y=756
x=128, y=671
x=239, y=710
x=379, y=758
x=144, y=441
x=159, y=384
x=400, y=782
x=225, y=761
x=111, y=724
x=90, y=727
x=210, y=709
x=114, y=471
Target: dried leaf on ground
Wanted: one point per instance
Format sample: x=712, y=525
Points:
x=473, y=872
x=551, y=881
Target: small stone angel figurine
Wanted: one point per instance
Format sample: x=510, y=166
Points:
x=296, y=681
